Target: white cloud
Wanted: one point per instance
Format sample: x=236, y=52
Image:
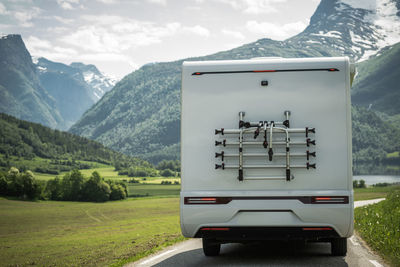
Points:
x=114, y=34
x=159, y=2
x=35, y=43
x=24, y=17
x=63, y=20
x=253, y=6
x=67, y=4
x=234, y=34
x=198, y=30
x=3, y=9
x=275, y=31
x=107, y=1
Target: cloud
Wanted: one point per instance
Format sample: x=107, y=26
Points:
x=3, y=9
x=275, y=31
x=67, y=4
x=34, y=43
x=253, y=6
x=159, y=2
x=234, y=34
x=114, y=34
x=108, y=2
x=63, y=20
x=24, y=17
x=197, y=30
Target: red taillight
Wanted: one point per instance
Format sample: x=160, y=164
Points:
x=264, y=70
x=317, y=229
x=215, y=229
x=333, y=69
x=207, y=200
x=330, y=200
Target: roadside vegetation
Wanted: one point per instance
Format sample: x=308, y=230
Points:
x=380, y=190
x=379, y=226
x=55, y=233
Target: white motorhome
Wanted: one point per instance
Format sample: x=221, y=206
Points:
x=266, y=151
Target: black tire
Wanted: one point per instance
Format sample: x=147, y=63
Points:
x=339, y=246
x=210, y=247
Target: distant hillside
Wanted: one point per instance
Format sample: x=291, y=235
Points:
x=377, y=85
x=373, y=140
x=21, y=93
x=50, y=93
x=27, y=140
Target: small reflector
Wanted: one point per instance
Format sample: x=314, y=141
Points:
x=317, y=229
x=215, y=229
x=333, y=69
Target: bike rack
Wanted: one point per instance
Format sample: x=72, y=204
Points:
x=269, y=128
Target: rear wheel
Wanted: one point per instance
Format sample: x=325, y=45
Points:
x=210, y=247
x=339, y=246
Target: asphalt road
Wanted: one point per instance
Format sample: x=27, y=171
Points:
x=190, y=253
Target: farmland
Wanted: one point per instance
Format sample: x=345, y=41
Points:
x=94, y=234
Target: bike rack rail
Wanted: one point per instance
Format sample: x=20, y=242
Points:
x=270, y=128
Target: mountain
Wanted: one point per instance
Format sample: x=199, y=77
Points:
x=141, y=115
x=99, y=82
x=21, y=93
x=50, y=93
x=74, y=87
x=377, y=84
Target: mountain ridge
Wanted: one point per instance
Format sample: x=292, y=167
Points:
x=39, y=90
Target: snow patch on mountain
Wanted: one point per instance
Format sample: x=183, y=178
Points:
x=100, y=82
x=380, y=16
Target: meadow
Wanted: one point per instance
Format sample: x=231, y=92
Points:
x=373, y=192
x=85, y=234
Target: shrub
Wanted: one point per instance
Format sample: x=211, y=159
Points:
x=167, y=173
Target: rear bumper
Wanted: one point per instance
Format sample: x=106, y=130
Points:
x=269, y=216
x=240, y=234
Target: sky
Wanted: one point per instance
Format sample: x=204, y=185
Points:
x=119, y=36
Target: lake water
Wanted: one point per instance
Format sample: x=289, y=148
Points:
x=374, y=179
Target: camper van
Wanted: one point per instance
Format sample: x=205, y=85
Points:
x=266, y=151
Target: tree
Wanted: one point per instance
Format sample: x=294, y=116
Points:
x=72, y=185
x=95, y=189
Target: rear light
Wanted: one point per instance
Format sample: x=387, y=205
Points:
x=317, y=229
x=330, y=200
x=207, y=200
x=215, y=229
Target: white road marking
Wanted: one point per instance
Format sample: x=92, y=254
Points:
x=354, y=241
x=375, y=263
x=157, y=256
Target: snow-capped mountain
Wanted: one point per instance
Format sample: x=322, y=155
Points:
x=358, y=28
x=101, y=83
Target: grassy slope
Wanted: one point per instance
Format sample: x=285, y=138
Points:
x=85, y=234
x=379, y=226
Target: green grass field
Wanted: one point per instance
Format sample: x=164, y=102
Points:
x=85, y=234
x=144, y=190
x=372, y=192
